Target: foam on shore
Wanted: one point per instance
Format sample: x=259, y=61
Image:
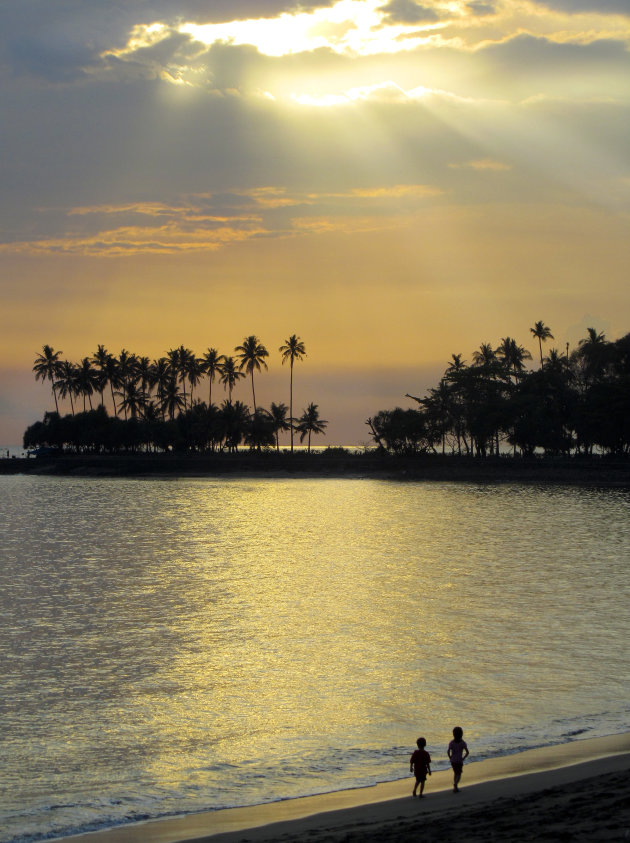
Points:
x=510, y=775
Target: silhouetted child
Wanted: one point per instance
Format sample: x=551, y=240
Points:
x=457, y=751
x=420, y=765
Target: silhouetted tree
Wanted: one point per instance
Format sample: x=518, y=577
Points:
x=293, y=349
x=212, y=366
x=99, y=361
x=46, y=367
x=310, y=423
x=278, y=414
x=542, y=333
x=230, y=375
x=260, y=432
x=251, y=355
x=66, y=384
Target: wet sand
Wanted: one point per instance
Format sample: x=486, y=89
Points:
x=576, y=791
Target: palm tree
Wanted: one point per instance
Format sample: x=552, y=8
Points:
x=172, y=399
x=133, y=400
x=456, y=363
x=66, y=384
x=178, y=359
x=212, y=366
x=592, y=352
x=260, y=430
x=112, y=371
x=46, y=367
x=309, y=423
x=193, y=369
x=542, y=333
x=230, y=375
x=513, y=355
x=234, y=422
x=126, y=368
x=439, y=407
x=143, y=372
x=86, y=380
x=485, y=355
x=558, y=364
x=159, y=376
x=592, y=339
x=293, y=349
x=252, y=356
x=278, y=413
x=99, y=359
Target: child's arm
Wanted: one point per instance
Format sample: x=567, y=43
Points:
x=466, y=753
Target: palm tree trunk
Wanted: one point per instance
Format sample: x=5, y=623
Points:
x=291, y=405
x=111, y=386
x=253, y=392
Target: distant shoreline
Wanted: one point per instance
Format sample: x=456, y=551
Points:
x=582, y=471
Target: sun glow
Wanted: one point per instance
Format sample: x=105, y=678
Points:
x=383, y=92
x=355, y=27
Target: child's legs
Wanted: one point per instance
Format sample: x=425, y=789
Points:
x=457, y=773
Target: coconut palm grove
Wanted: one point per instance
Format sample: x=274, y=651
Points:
x=155, y=405
x=565, y=403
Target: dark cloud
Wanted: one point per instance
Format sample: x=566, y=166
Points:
x=620, y=7
x=534, y=57
x=406, y=11
x=57, y=40
x=481, y=9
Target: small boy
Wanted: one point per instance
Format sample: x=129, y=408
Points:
x=457, y=752
x=420, y=765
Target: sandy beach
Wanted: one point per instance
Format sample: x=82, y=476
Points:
x=576, y=791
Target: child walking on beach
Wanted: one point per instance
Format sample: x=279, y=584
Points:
x=420, y=765
x=457, y=751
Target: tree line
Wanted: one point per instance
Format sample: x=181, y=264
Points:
x=572, y=403
x=154, y=405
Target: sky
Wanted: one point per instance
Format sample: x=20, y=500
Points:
x=393, y=181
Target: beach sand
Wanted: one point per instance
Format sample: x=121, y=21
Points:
x=570, y=792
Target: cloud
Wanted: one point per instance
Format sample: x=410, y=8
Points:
x=615, y=7
x=483, y=164
x=481, y=9
x=58, y=41
x=407, y=11
x=117, y=135
x=207, y=223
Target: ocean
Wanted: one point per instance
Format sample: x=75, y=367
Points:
x=171, y=646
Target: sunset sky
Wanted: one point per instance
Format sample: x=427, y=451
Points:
x=393, y=181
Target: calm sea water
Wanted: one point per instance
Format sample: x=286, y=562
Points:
x=171, y=646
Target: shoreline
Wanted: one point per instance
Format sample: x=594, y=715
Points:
x=493, y=788
x=575, y=471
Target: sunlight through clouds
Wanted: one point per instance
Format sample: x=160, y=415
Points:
x=348, y=27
